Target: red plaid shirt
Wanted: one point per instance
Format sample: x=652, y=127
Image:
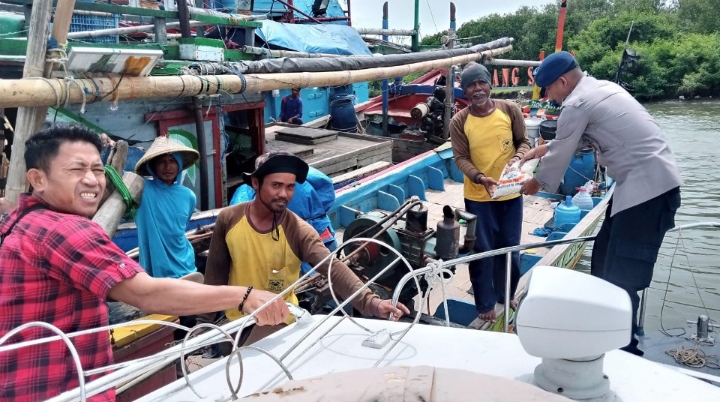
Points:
x=56, y=268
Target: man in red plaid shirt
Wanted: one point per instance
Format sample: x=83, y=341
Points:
x=60, y=267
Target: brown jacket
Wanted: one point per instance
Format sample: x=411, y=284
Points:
x=297, y=236
x=461, y=147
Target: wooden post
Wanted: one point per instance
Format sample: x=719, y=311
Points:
x=449, y=78
x=203, y=149
x=160, y=30
x=109, y=214
x=61, y=26
x=116, y=159
x=31, y=119
x=27, y=117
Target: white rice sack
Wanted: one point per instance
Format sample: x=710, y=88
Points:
x=511, y=181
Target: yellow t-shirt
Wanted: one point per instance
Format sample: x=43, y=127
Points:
x=240, y=255
x=491, y=146
x=275, y=266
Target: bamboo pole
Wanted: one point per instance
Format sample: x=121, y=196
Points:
x=127, y=30
x=261, y=51
x=513, y=63
x=35, y=92
x=385, y=32
x=232, y=17
x=31, y=117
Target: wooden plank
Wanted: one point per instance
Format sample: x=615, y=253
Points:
x=307, y=132
x=304, y=140
x=301, y=151
x=379, y=148
x=364, y=137
x=305, y=135
x=342, y=166
x=321, y=122
x=348, y=164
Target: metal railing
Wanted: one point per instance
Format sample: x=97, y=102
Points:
x=129, y=373
x=643, y=298
x=434, y=265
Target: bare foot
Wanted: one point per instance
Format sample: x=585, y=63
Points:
x=488, y=316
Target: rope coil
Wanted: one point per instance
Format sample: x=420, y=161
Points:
x=120, y=186
x=693, y=357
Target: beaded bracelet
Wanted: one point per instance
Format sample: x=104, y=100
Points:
x=247, y=293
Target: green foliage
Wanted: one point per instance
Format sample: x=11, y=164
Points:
x=678, y=40
x=412, y=77
x=701, y=16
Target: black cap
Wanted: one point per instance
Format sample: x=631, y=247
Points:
x=278, y=162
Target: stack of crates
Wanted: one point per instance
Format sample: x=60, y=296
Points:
x=84, y=22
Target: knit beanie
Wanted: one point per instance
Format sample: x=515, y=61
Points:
x=474, y=72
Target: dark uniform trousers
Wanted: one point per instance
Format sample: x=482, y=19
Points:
x=627, y=246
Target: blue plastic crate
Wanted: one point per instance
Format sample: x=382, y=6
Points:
x=82, y=22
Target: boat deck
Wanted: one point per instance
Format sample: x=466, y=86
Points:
x=331, y=152
x=631, y=378
x=536, y=211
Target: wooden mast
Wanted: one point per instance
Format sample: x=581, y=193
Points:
x=31, y=118
x=28, y=117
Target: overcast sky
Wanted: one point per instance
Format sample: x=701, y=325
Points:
x=368, y=13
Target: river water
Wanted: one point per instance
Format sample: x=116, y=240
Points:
x=687, y=282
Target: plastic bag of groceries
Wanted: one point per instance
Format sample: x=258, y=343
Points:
x=514, y=177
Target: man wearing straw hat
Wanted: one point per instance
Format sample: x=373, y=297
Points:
x=261, y=244
x=165, y=210
x=60, y=268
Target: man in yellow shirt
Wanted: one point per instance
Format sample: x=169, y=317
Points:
x=262, y=244
x=487, y=136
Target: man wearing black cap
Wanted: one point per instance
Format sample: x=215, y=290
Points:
x=630, y=144
x=262, y=244
x=486, y=137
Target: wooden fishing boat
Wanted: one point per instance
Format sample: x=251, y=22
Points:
x=227, y=124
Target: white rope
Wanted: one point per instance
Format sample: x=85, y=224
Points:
x=58, y=100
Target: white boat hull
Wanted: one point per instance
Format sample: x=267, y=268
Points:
x=631, y=378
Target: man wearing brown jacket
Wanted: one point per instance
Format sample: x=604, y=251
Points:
x=262, y=244
x=486, y=137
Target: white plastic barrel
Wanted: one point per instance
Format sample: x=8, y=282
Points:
x=533, y=130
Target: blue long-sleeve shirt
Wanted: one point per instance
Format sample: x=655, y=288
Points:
x=161, y=221
x=290, y=107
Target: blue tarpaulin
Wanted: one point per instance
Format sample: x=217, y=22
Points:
x=316, y=38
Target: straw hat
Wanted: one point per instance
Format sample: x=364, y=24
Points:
x=162, y=146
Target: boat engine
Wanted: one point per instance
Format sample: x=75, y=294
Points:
x=412, y=238
x=431, y=114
